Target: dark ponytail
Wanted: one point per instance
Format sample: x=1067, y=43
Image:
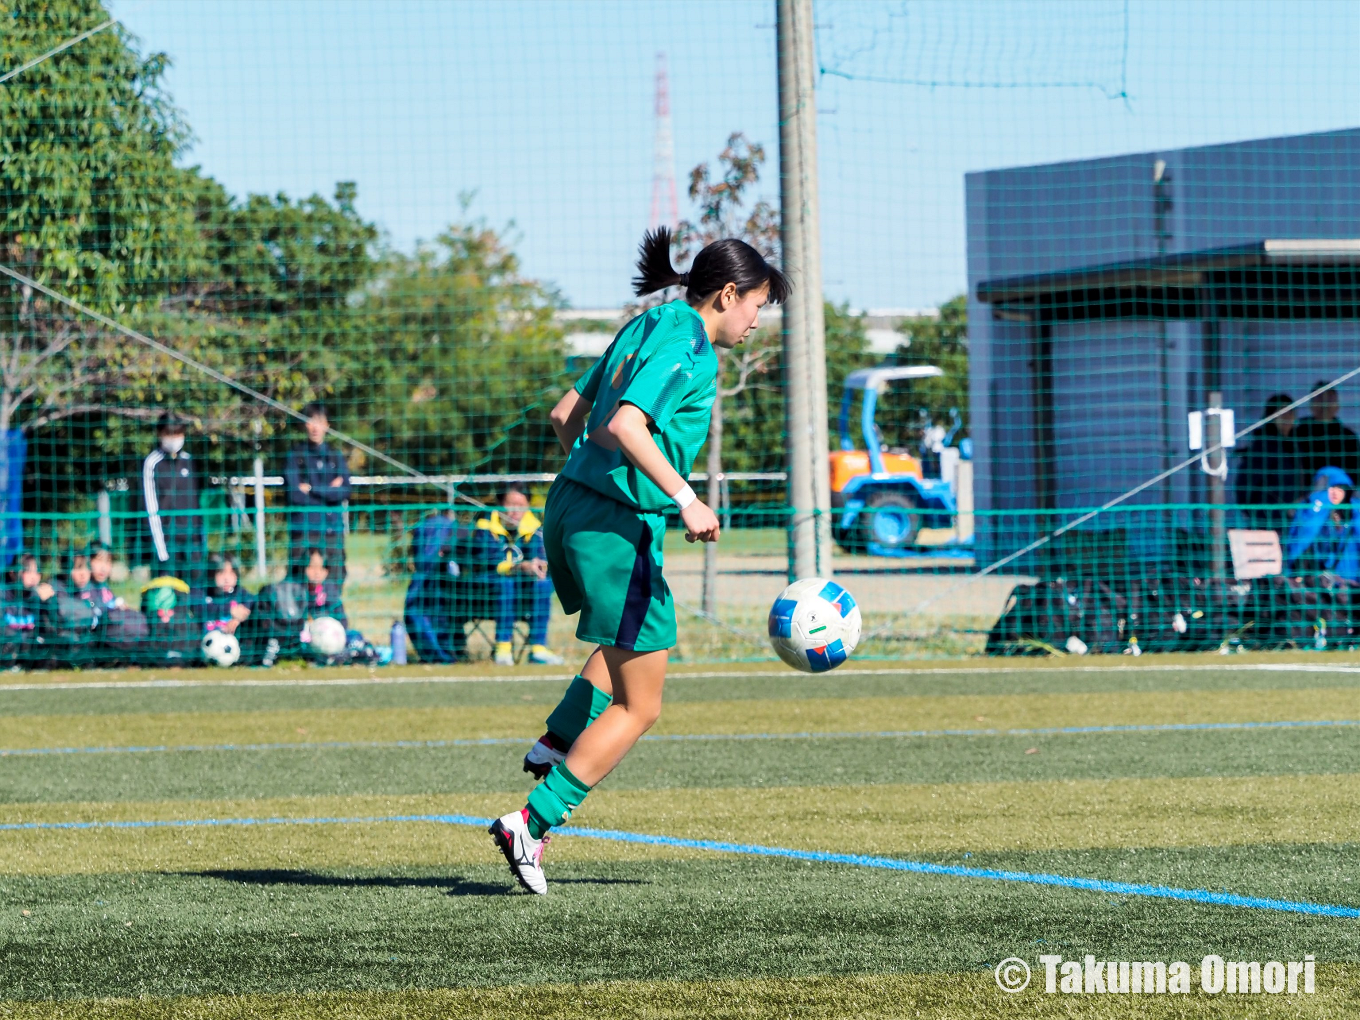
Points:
x=722, y=262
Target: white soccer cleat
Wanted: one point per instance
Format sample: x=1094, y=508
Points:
x=505, y=658
x=539, y=656
x=522, y=852
x=542, y=757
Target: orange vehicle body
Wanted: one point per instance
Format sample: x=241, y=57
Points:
x=848, y=464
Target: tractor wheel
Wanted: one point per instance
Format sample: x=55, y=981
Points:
x=890, y=520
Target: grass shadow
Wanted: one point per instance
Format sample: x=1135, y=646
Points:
x=450, y=885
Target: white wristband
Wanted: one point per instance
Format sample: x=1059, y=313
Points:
x=684, y=497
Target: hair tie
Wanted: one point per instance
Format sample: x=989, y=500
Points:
x=684, y=279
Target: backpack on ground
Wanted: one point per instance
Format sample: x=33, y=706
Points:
x=1076, y=616
x=173, y=628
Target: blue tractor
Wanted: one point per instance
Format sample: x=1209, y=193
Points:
x=881, y=498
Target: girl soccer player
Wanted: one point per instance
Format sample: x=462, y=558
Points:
x=631, y=428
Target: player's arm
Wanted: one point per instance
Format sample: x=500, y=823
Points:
x=628, y=428
x=569, y=418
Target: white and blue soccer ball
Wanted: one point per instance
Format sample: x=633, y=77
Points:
x=814, y=625
x=221, y=648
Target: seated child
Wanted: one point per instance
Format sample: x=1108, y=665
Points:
x=173, y=629
x=101, y=569
x=24, y=601
x=323, y=596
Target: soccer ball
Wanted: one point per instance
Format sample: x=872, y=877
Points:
x=814, y=625
x=221, y=648
x=328, y=636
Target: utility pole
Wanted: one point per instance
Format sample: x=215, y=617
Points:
x=1218, y=474
x=715, y=480
x=804, y=321
x=665, y=210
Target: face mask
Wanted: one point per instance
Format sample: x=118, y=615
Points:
x=172, y=444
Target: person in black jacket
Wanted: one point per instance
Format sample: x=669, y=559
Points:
x=1324, y=441
x=1268, y=475
x=318, y=484
x=170, y=497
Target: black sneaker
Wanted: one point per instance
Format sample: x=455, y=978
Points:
x=546, y=753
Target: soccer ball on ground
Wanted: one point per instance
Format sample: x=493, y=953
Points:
x=814, y=625
x=221, y=648
x=328, y=636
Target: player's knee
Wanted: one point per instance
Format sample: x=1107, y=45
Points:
x=646, y=716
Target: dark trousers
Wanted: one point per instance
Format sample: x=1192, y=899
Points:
x=436, y=634
x=188, y=555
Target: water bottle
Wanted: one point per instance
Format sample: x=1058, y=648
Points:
x=398, y=643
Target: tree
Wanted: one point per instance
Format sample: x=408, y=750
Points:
x=461, y=357
x=91, y=203
x=941, y=341
x=749, y=377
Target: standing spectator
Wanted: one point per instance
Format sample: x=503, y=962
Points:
x=170, y=495
x=1268, y=471
x=1323, y=441
x=512, y=578
x=318, y=484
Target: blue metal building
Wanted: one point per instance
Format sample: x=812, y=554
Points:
x=1109, y=297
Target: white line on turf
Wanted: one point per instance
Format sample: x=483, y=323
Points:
x=787, y=674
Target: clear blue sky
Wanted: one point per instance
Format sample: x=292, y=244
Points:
x=544, y=110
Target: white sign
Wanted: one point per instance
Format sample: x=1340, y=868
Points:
x=1255, y=553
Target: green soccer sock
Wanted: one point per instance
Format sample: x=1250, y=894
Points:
x=553, y=800
x=579, y=707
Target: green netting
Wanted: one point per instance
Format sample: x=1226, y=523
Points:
x=1064, y=229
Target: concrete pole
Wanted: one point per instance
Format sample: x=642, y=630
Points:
x=715, y=438
x=1213, y=444
x=104, y=506
x=804, y=320
x=261, y=565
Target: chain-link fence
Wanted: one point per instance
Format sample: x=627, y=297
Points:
x=290, y=290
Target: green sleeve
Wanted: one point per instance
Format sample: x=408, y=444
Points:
x=659, y=385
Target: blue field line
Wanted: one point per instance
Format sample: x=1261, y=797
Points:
x=1044, y=731
x=1164, y=892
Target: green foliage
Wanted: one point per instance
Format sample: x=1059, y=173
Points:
x=942, y=342
x=721, y=202
x=753, y=421
x=91, y=201
x=457, y=358
x=443, y=358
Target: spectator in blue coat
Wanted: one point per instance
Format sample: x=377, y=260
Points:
x=317, y=477
x=510, y=580
x=1323, y=534
x=436, y=633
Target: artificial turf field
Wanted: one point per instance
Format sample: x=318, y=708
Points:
x=333, y=868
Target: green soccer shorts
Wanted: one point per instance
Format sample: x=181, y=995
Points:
x=605, y=561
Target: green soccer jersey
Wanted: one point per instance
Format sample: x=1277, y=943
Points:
x=663, y=363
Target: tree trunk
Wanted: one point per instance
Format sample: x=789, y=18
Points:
x=715, y=435
x=6, y=415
